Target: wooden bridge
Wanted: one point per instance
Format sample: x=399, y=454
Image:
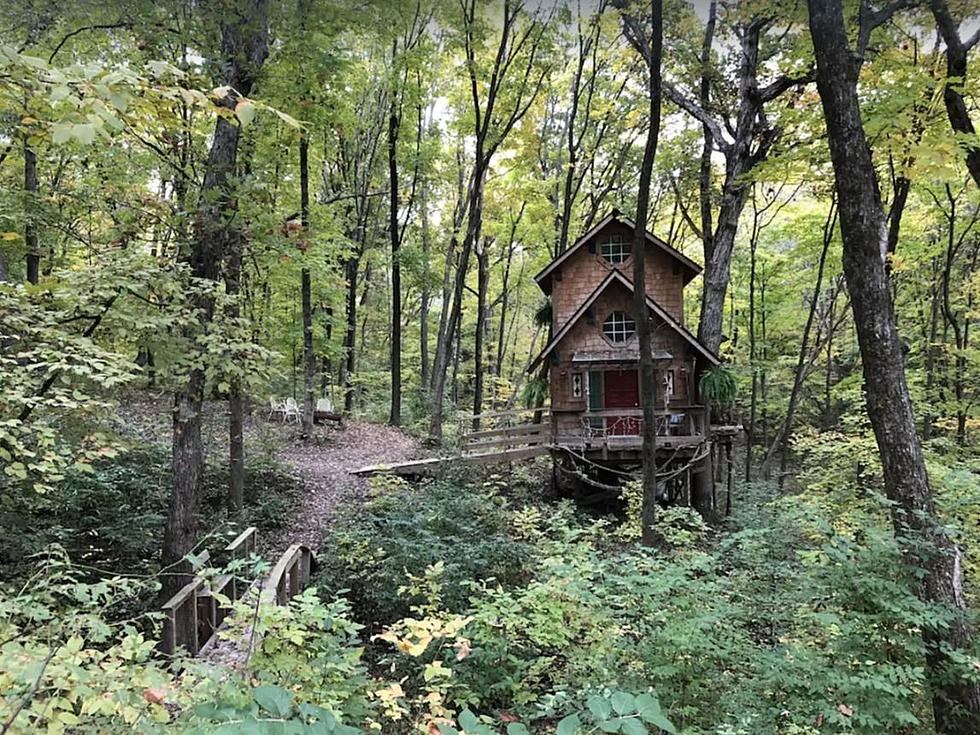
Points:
x=501, y=436
x=194, y=614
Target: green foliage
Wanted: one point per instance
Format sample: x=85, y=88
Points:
x=718, y=387
x=404, y=529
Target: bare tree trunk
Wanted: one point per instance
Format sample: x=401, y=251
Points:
x=395, y=415
x=483, y=283
x=244, y=49
x=956, y=78
x=30, y=215
x=704, y=173
x=306, y=287
x=651, y=49
x=781, y=441
x=956, y=701
x=236, y=401
x=426, y=295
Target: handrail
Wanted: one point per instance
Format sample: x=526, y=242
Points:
x=290, y=574
x=193, y=614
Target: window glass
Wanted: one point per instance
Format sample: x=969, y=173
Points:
x=615, y=249
x=619, y=327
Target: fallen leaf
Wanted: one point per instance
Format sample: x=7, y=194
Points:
x=155, y=696
x=845, y=710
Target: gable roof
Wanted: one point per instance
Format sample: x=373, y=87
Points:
x=616, y=276
x=543, y=279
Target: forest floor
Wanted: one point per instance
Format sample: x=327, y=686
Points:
x=322, y=465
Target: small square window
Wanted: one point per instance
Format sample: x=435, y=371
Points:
x=615, y=249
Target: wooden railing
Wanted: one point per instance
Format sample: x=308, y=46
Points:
x=504, y=430
x=193, y=615
x=290, y=574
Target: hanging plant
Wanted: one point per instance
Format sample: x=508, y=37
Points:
x=718, y=387
x=543, y=314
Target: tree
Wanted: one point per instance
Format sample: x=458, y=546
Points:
x=956, y=702
x=501, y=97
x=650, y=48
x=244, y=47
x=752, y=137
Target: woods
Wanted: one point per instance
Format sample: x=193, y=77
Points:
x=652, y=324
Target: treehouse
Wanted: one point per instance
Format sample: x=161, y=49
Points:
x=593, y=355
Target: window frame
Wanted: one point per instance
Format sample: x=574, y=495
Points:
x=613, y=318
x=625, y=249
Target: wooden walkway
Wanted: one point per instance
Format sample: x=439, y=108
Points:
x=502, y=436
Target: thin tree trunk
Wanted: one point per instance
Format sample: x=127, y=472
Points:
x=30, y=215
x=426, y=295
x=651, y=49
x=483, y=283
x=306, y=287
x=395, y=415
x=704, y=171
x=236, y=401
x=781, y=441
x=956, y=701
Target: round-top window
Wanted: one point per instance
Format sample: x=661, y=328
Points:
x=619, y=327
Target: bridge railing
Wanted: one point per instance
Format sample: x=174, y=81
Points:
x=290, y=574
x=502, y=430
x=192, y=616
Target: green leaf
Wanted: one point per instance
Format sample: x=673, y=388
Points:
x=599, y=707
x=517, y=728
x=273, y=699
x=649, y=708
x=246, y=112
x=84, y=133
x=570, y=725
x=468, y=721
x=633, y=726
x=623, y=703
x=61, y=133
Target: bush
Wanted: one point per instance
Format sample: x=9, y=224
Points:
x=112, y=517
x=403, y=529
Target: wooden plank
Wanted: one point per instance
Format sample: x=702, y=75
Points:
x=420, y=467
x=512, y=442
x=503, y=431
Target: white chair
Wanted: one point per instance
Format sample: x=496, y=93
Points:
x=323, y=405
x=276, y=408
x=291, y=411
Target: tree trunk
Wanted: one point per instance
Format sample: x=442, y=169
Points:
x=651, y=48
x=704, y=172
x=395, y=416
x=306, y=287
x=426, y=295
x=30, y=215
x=348, y=364
x=244, y=49
x=956, y=77
x=956, y=702
x=479, y=362
x=236, y=401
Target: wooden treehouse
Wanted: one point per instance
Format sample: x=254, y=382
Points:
x=593, y=427
x=593, y=356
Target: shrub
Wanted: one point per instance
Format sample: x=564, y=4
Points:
x=403, y=529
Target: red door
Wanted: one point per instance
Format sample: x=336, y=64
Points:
x=621, y=389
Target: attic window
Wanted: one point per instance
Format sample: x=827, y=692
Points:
x=619, y=327
x=615, y=250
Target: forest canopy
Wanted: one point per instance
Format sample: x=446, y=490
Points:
x=250, y=247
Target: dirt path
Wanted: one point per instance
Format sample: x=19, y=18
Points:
x=324, y=467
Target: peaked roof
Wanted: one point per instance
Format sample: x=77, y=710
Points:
x=543, y=279
x=616, y=276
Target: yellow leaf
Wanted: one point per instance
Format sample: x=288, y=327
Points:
x=10, y=236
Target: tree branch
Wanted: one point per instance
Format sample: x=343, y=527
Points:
x=699, y=114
